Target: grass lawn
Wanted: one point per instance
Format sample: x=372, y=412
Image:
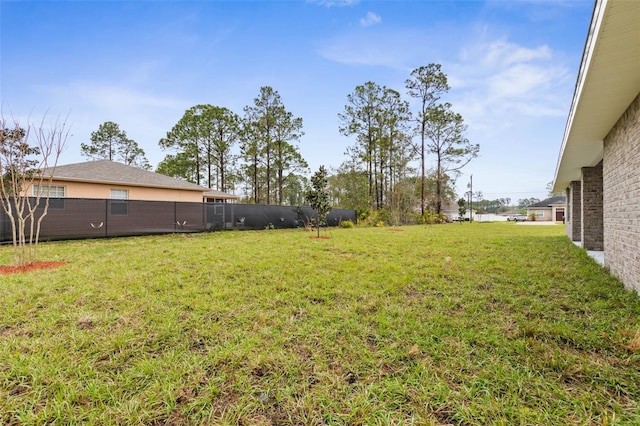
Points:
x=463, y=324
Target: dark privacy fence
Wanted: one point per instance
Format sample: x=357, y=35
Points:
x=70, y=218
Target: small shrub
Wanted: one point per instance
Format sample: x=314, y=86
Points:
x=384, y=216
x=376, y=218
x=431, y=218
x=347, y=224
x=362, y=214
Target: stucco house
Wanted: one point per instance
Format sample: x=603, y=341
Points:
x=549, y=210
x=599, y=161
x=106, y=179
x=452, y=211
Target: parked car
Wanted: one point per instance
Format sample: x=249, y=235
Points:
x=517, y=218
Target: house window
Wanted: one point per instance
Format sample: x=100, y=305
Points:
x=56, y=194
x=53, y=191
x=119, y=203
x=119, y=194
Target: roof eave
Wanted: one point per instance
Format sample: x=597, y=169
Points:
x=607, y=83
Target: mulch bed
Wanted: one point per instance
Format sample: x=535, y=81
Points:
x=6, y=270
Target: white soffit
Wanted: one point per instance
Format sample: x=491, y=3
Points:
x=609, y=80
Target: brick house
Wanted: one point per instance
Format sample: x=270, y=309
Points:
x=599, y=161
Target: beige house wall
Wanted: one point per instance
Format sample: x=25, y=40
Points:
x=621, y=184
x=545, y=214
x=98, y=190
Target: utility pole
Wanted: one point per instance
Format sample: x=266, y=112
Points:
x=471, y=199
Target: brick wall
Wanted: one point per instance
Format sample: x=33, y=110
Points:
x=621, y=182
x=573, y=211
x=592, y=208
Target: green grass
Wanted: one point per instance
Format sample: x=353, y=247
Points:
x=464, y=324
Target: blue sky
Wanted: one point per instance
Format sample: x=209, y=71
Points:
x=512, y=66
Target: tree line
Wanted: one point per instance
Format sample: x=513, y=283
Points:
x=257, y=153
x=384, y=153
x=212, y=146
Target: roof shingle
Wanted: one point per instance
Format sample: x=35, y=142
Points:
x=560, y=199
x=110, y=172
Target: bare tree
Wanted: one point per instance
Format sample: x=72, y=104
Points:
x=28, y=159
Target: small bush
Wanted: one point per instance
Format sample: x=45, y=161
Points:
x=431, y=218
x=347, y=224
x=362, y=214
x=377, y=218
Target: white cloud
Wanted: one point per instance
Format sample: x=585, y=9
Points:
x=357, y=51
x=380, y=48
x=522, y=79
x=502, y=78
x=334, y=3
x=501, y=52
x=370, y=19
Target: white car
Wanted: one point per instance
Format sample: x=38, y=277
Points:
x=517, y=218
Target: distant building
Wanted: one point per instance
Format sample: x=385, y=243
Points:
x=551, y=209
